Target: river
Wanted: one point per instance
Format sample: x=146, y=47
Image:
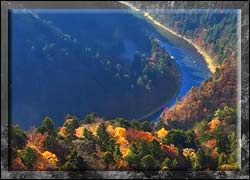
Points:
x=48, y=78
x=194, y=63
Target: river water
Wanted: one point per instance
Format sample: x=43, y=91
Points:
x=193, y=67
x=45, y=82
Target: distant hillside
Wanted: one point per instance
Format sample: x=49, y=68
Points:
x=96, y=63
x=214, y=31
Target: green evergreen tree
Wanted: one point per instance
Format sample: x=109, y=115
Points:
x=102, y=136
x=117, y=153
x=135, y=124
x=88, y=134
x=222, y=159
x=227, y=114
x=28, y=157
x=47, y=126
x=166, y=163
x=74, y=162
x=122, y=122
x=89, y=118
x=155, y=150
x=108, y=159
x=180, y=138
x=145, y=126
x=148, y=163
x=17, y=137
x=143, y=148
x=133, y=158
x=50, y=143
x=174, y=164
x=70, y=128
x=110, y=146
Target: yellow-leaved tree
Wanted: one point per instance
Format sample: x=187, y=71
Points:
x=162, y=133
x=214, y=124
x=50, y=159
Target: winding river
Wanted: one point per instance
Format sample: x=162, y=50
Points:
x=195, y=64
x=45, y=82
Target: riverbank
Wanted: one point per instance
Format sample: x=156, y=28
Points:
x=211, y=65
x=207, y=58
x=160, y=108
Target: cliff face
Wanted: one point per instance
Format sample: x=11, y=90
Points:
x=201, y=103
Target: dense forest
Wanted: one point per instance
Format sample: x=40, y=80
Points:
x=215, y=31
x=200, y=103
x=101, y=62
x=198, y=133
x=95, y=143
x=143, y=72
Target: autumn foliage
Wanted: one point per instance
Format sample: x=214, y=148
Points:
x=162, y=133
x=17, y=165
x=213, y=125
x=50, y=161
x=201, y=103
x=136, y=135
x=79, y=132
x=36, y=140
x=211, y=143
x=108, y=146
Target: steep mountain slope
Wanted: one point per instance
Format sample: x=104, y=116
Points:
x=216, y=33
x=201, y=102
x=96, y=64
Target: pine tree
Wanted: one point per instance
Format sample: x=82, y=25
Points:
x=133, y=158
x=88, y=134
x=166, y=163
x=28, y=157
x=148, y=163
x=145, y=126
x=222, y=159
x=108, y=159
x=155, y=150
x=17, y=137
x=47, y=126
x=102, y=136
x=74, y=162
x=70, y=128
x=174, y=164
x=117, y=153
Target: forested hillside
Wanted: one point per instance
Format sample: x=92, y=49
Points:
x=100, y=66
x=198, y=133
x=215, y=31
x=95, y=143
x=201, y=102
